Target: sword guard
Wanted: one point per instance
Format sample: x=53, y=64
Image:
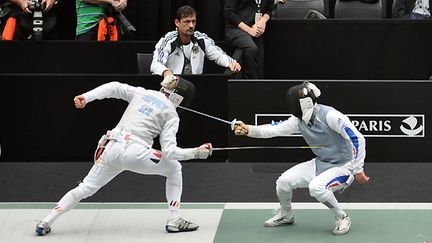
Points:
x=233, y=124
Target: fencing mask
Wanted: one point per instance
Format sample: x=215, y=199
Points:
x=179, y=90
x=301, y=100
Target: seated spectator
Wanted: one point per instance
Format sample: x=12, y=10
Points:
x=17, y=20
x=182, y=51
x=246, y=22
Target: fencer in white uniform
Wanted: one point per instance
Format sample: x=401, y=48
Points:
x=338, y=145
x=128, y=146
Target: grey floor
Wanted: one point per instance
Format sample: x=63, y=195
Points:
x=219, y=223
x=29, y=190
x=208, y=182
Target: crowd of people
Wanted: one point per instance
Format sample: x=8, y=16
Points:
x=181, y=51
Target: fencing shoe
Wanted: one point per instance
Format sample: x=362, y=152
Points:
x=42, y=228
x=342, y=225
x=180, y=225
x=279, y=218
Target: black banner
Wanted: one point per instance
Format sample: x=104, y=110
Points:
x=392, y=115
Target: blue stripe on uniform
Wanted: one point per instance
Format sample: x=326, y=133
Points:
x=340, y=179
x=353, y=137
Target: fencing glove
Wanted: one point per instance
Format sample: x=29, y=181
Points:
x=169, y=82
x=241, y=129
x=204, y=151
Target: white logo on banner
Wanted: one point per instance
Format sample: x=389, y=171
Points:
x=412, y=123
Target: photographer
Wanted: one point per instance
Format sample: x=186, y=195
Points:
x=20, y=19
x=99, y=20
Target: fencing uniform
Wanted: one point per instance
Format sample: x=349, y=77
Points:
x=337, y=144
x=340, y=151
x=129, y=146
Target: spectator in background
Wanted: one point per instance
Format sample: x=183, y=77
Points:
x=17, y=24
x=95, y=19
x=412, y=9
x=182, y=51
x=245, y=24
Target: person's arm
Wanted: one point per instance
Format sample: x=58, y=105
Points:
x=118, y=5
x=342, y=125
x=262, y=22
x=216, y=54
x=109, y=90
x=169, y=148
x=23, y=4
x=277, y=129
x=161, y=53
x=230, y=13
x=48, y=4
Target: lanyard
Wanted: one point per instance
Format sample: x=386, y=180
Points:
x=258, y=3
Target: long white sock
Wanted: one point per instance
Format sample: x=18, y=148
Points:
x=173, y=190
x=285, y=199
x=66, y=203
x=331, y=202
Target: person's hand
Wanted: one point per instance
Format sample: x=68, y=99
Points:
x=241, y=129
x=167, y=72
x=235, y=67
x=170, y=82
x=253, y=31
x=24, y=5
x=48, y=4
x=80, y=101
x=361, y=178
x=204, y=151
x=119, y=5
x=261, y=26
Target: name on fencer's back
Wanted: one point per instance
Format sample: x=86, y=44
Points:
x=150, y=103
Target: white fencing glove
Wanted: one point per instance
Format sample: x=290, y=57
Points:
x=204, y=151
x=170, y=82
x=241, y=129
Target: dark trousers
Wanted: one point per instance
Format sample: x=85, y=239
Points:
x=92, y=34
x=253, y=52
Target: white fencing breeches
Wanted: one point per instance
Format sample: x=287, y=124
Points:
x=320, y=186
x=116, y=158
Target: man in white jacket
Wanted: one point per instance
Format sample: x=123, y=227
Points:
x=128, y=146
x=183, y=51
x=338, y=145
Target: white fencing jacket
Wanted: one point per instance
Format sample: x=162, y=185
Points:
x=169, y=55
x=148, y=115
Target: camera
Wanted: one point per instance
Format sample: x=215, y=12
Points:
x=36, y=5
x=5, y=9
x=37, y=8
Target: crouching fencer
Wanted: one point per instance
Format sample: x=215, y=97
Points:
x=128, y=146
x=339, y=148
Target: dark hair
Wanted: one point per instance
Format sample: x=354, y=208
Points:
x=185, y=11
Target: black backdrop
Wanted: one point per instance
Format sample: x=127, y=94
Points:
x=39, y=122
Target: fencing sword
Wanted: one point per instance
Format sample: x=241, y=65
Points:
x=231, y=123
x=265, y=147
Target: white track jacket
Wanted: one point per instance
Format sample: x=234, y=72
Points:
x=169, y=55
